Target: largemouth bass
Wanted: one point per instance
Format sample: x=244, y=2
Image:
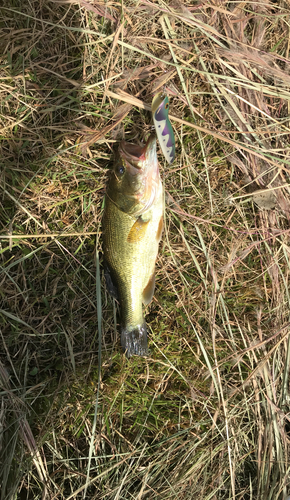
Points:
x=132, y=224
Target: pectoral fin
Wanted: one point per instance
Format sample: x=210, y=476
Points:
x=148, y=291
x=137, y=231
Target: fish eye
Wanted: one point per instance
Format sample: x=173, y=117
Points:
x=121, y=170
x=167, y=105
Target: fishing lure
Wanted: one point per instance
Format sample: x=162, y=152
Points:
x=163, y=127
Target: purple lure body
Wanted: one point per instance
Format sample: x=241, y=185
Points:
x=163, y=127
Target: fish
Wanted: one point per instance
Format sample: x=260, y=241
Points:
x=163, y=127
x=132, y=229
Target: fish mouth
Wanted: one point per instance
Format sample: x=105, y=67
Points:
x=140, y=157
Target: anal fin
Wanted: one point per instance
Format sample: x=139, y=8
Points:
x=148, y=291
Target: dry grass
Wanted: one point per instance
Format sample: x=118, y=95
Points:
x=206, y=416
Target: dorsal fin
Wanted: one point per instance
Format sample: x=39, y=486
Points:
x=111, y=286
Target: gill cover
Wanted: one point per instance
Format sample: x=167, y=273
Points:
x=163, y=127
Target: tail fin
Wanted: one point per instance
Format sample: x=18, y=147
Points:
x=134, y=341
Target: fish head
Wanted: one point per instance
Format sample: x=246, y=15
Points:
x=135, y=179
